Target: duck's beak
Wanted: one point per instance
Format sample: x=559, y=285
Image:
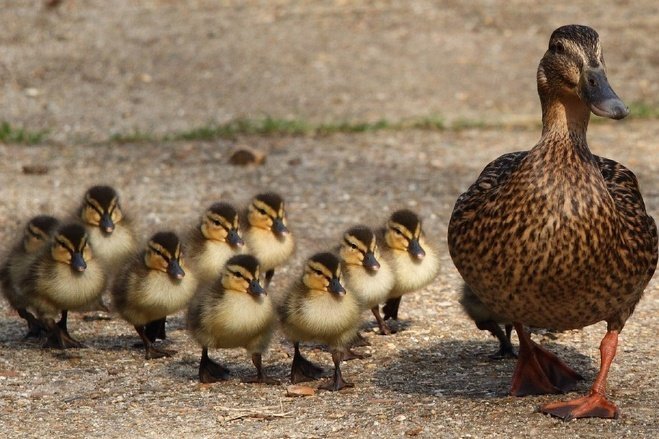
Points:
x=370, y=263
x=335, y=287
x=255, y=288
x=106, y=224
x=78, y=262
x=234, y=239
x=415, y=249
x=279, y=228
x=175, y=270
x=595, y=91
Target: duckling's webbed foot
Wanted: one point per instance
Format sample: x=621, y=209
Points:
x=337, y=382
x=505, y=346
x=210, y=371
x=150, y=351
x=302, y=369
x=59, y=338
x=34, y=327
x=156, y=330
x=260, y=377
x=352, y=355
x=384, y=329
x=538, y=371
x=390, y=309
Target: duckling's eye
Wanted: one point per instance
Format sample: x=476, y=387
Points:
x=559, y=48
x=397, y=232
x=161, y=254
x=215, y=222
x=318, y=272
x=261, y=211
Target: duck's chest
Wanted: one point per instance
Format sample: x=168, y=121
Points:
x=212, y=258
x=547, y=251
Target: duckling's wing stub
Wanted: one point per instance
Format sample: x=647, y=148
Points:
x=495, y=173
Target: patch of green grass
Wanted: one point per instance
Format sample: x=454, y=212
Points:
x=432, y=122
x=9, y=134
x=136, y=136
x=642, y=110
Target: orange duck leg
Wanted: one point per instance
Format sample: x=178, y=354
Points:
x=595, y=405
x=538, y=371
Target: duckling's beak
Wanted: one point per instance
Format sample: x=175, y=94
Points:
x=278, y=227
x=255, y=288
x=370, y=263
x=234, y=239
x=595, y=91
x=174, y=269
x=78, y=262
x=106, y=224
x=335, y=287
x=415, y=249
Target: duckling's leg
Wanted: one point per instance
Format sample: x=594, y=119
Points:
x=210, y=371
x=150, y=350
x=384, y=329
x=268, y=276
x=352, y=355
x=34, y=326
x=538, y=371
x=505, y=346
x=156, y=329
x=260, y=377
x=59, y=338
x=595, y=405
x=390, y=309
x=337, y=383
x=303, y=369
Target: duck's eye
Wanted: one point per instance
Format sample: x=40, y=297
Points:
x=318, y=272
x=353, y=246
x=215, y=222
x=559, y=48
x=261, y=211
x=397, y=232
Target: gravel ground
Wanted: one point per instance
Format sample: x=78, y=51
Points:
x=91, y=68
x=431, y=379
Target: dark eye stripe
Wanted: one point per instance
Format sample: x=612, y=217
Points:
x=159, y=253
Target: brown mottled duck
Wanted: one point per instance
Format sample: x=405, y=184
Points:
x=557, y=237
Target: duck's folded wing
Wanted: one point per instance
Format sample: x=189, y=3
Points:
x=495, y=173
x=639, y=227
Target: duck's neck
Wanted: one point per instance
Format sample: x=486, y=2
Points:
x=564, y=125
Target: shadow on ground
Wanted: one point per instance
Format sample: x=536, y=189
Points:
x=462, y=368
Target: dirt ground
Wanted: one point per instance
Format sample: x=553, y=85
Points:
x=93, y=68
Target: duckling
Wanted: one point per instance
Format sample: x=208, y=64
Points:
x=486, y=320
x=365, y=272
x=215, y=240
x=64, y=276
x=318, y=308
x=267, y=236
x=152, y=286
x=414, y=261
x=36, y=234
x=233, y=312
x=557, y=237
x=110, y=231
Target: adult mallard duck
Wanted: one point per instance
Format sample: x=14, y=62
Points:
x=557, y=237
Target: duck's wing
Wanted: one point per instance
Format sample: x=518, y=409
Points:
x=494, y=175
x=640, y=228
